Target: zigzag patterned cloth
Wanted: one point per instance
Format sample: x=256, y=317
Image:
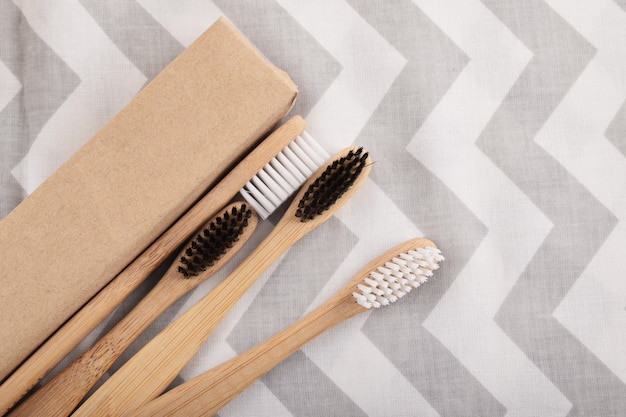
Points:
x=499, y=131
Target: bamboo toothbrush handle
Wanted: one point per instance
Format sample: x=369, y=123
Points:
x=151, y=370
x=209, y=392
x=84, y=321
x=393, y=273
x=63, y=393
x=213, y=247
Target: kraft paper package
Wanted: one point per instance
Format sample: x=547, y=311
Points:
x=131, y=181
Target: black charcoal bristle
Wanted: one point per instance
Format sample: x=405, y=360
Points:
x=214, y=241
x=331, y=184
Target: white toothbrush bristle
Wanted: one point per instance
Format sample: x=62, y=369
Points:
x=296, y=161
x=302, y=156
x=284, y=174
x=273, y=169
x=268, y=192
x=397, y=277
x=287, y=179
x=256, y=199
x=277, y=188
x=317, y=150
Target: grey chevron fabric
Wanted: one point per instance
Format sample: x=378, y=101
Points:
x=498, y=130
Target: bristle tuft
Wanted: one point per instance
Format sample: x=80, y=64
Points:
x=214, y=241
x=284, y=174
x=395, y=278
x=334, y=181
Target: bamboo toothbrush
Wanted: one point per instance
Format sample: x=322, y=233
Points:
x=264, y=157
x=60, y=396
x=216, y=243
x=381, y=282
x=150, y=371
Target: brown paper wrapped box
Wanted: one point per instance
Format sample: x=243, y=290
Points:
x=129, y=182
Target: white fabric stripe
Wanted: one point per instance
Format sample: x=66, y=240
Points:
x=76, y=44
x=447, y=139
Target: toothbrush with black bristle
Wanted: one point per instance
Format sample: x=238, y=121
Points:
x=272, y=185
x=148, y=373
x=204, y=255
x=382, y=282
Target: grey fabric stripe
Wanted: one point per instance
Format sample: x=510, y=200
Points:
x=288, y=296
x=621, y=3
x=46, y=84
x=616, y=132
x=12, y=150
x=134, y=31
x=287, y=45
x=437, y=374
x=10, y=53
x=306, y=389
x=282, y=301
x=526, y=315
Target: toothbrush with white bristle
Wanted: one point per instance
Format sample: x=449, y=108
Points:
x=155, y=366
x=380, y=283
x=283, y=162
x=284, y=174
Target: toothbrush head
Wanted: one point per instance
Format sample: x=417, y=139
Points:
x=396, y=273
x=215, y=239
x=332, y=183
x=284, y=174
